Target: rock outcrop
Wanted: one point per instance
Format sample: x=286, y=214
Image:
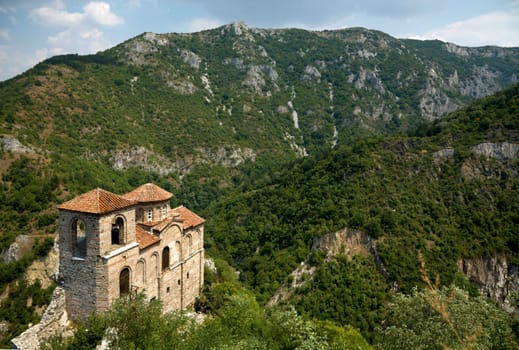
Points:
x=44, y=269
x=21, y=245
x=500, y=151
x=346, y=241
x=496, y=278
x=53, y=322
x=138, y=156
x=12, y=144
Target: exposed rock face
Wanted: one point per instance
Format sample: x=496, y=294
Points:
x=18, y=248
x=370, y=77
x=12, y=253
x=473, y=169
x=495, y=277
x=44, y=269
x=209, y=263
x=230, y=157
x=53, y=322
x=142, y=157
x=191, y=58
x=460, y=51
x=495, y=163
x=445, y=153
x=10, y=143
x=434, y=101
x=482, y=83
x=312, y=73
x=256, y=77
x=183, y=87
x=345, y=241
x=499, y=151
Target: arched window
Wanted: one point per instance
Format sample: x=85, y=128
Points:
x=118, y=231
x=165, y=258
x=124, y=282
x=164, y=212
x=79, y=238
x=150, y=214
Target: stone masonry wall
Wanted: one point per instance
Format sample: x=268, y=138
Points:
x=78, y=274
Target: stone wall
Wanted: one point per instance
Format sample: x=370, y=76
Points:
x=53, y=322
x=77, y=274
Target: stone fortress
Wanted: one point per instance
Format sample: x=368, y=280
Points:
x=112, y=245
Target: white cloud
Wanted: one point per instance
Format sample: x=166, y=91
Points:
x=64, y=38
x=496, y=28
x=199, y=24
x=95, y=11
x=81, y=33
x=100, y=12
x=56, y=17
x=83, y=41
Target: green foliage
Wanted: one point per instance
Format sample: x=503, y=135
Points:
x=20, y=308
x=238, y=323
x=347, y=293
x=346, y=337
x=26, y=190
x=414, y=322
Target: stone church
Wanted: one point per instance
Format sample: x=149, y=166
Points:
x=112, y=245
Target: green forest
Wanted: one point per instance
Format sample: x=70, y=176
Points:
x=426, y=192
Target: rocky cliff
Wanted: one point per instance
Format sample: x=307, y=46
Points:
x=496, y=278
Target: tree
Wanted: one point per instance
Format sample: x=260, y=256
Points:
x=444, y=318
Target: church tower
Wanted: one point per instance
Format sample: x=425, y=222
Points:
x=91, y=226
x=112, y=245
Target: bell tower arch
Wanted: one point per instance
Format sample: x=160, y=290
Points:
x=90, y=226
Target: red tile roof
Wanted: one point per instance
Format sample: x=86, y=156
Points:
x=159, y=226
x=144, y=238
x=148, y=193
x=97, y=201
x=189, y=218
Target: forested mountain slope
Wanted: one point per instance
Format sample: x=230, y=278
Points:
x=277, y=137
x=448, y=193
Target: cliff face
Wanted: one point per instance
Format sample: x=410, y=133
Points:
x=495, y=277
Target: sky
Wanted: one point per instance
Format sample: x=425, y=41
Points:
x=33, y=30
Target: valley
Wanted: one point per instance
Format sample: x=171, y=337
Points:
x=350, y=174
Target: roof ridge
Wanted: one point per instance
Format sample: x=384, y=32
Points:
x=97, y=201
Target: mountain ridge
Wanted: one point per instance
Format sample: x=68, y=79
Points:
x=273, y=91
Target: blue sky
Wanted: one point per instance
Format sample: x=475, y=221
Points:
x=33, y=30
